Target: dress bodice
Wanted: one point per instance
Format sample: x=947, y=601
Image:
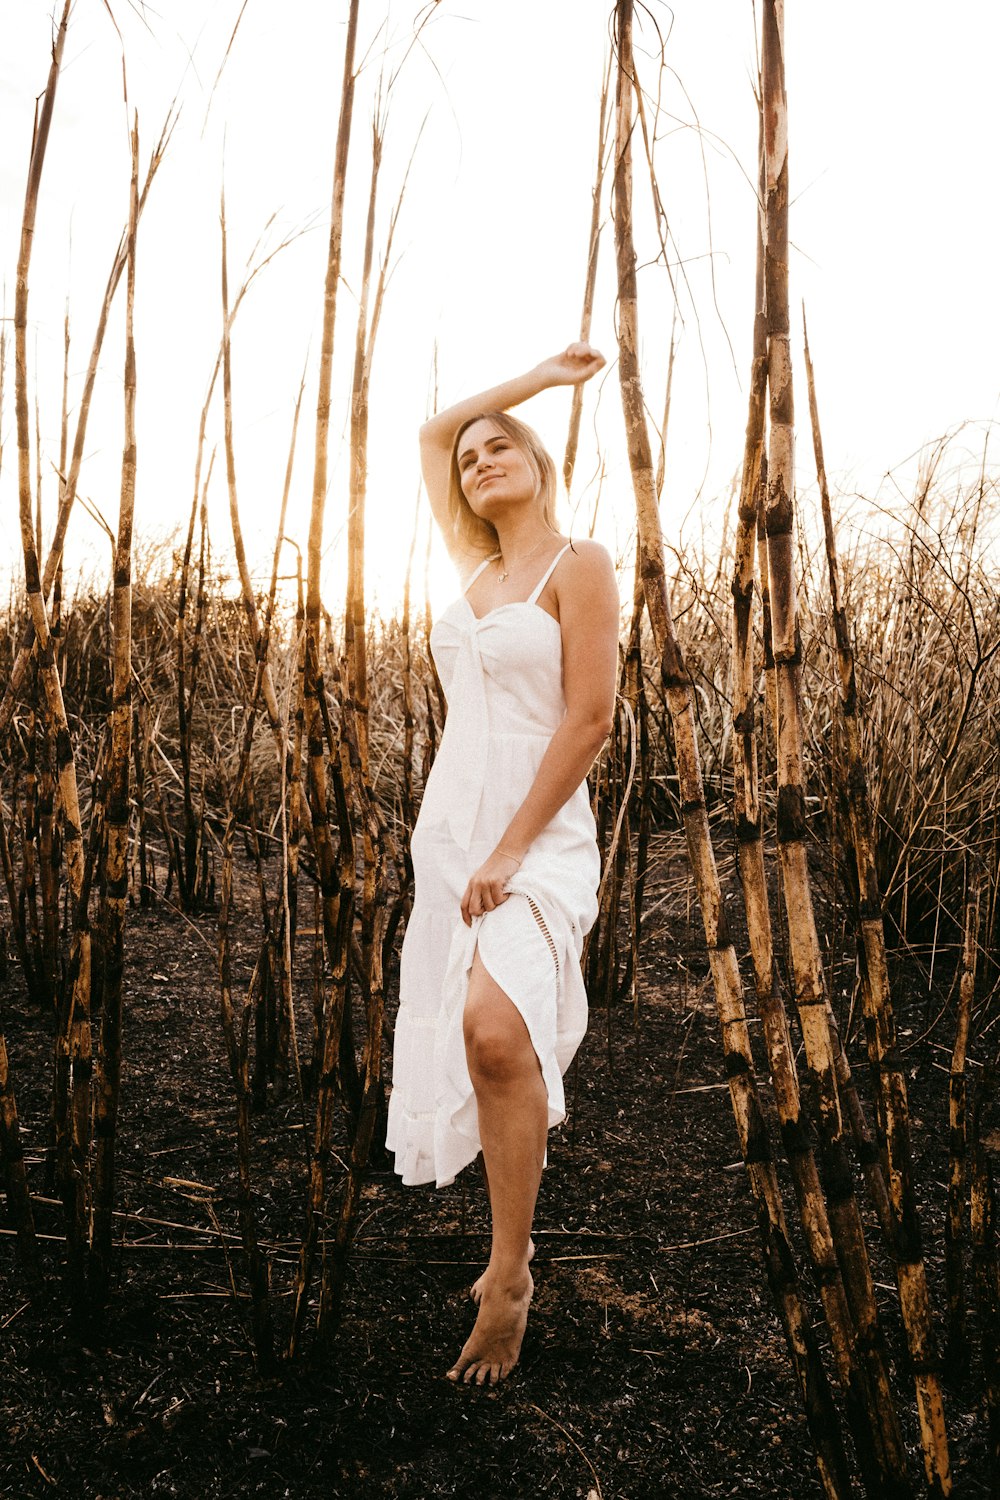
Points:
x=502, y=675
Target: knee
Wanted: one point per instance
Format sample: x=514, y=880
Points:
x=492, y=1050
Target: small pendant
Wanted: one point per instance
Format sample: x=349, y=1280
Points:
x=502, y=577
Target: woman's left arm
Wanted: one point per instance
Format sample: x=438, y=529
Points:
x=589, y=607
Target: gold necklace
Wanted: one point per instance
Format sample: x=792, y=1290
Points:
x=503, y=573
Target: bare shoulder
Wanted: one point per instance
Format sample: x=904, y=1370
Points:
x=587, y=571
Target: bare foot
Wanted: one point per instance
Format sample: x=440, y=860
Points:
x=492, y=1349
x=476, y=1290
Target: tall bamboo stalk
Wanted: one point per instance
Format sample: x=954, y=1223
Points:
x=761, y=1173
x=887, y=1064
x=109, y=1061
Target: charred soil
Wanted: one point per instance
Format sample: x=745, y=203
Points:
x=653, y=1366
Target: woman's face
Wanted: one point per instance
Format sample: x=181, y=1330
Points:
x=492, y=469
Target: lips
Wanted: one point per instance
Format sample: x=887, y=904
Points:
x=487, y=479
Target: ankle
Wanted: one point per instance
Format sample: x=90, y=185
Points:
x=510, y=1276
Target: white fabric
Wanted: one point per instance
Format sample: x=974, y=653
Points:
x=502, y=675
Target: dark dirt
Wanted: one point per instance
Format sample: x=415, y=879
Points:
x=653, y=1365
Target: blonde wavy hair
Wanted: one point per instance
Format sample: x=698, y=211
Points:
x=471, y=531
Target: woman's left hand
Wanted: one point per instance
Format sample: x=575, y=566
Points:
x=485, y=890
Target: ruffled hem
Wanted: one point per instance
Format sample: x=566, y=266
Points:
x=433, y=1127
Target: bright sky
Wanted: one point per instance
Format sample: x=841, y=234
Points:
x=894, y=127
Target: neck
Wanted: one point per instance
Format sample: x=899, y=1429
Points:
x=517, y=534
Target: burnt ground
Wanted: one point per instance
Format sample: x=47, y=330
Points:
x=653, y=1365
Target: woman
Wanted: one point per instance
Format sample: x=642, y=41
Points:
x=506, y=865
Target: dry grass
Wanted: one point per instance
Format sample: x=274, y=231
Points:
x=926, y=626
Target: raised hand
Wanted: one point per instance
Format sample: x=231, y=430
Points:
x=573, y=366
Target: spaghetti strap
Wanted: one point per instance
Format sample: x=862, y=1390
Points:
x=478, y=570
x=533, y=596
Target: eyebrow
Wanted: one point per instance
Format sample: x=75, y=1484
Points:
x=493, y=438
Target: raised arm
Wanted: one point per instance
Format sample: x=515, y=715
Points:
x=437, y=436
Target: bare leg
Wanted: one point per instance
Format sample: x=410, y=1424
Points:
x=476, y=1290
x=513, y=1120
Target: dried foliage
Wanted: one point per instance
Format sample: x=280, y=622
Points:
x=820, y=721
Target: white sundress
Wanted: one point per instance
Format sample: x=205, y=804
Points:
x=502, y=675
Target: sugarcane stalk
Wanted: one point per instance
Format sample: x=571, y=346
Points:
x=590, y=280
x=747, y=817
x=16, y=1178
x=957, y=1349
x=24, y=954
x=906, y=1239
x=49, y=861
x=185, y=674
x=374, y=906
x=68, y=481
x=804, y=950
x=288, y=771
x=258, y=1273
x=316, y=708
x=986, y=1268
x=108, y=1079
x=141, y=741
x=761, y=1173
x=355, y=628
x=32, y=578
x=28, y=901
x=336, y=884
x=246, y=583
x=73, y=1039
